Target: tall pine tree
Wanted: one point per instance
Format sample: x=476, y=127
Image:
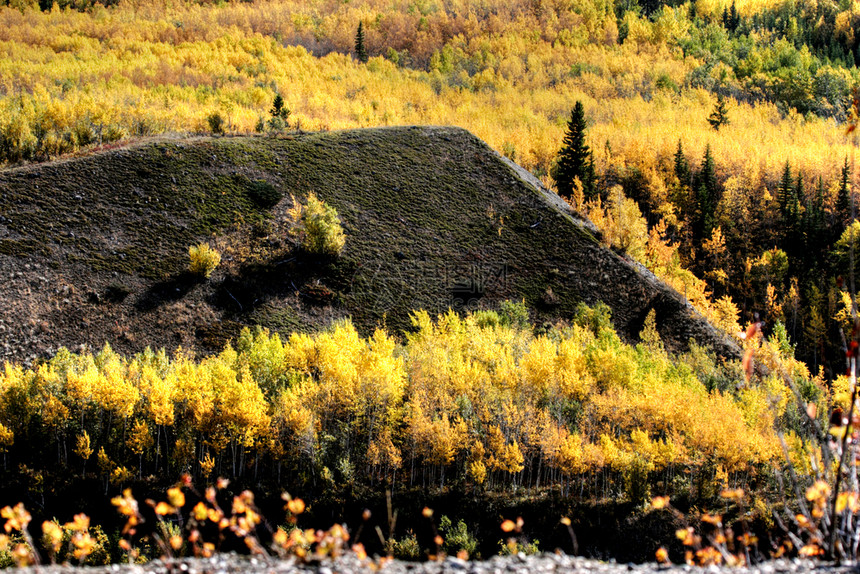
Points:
x=815, y=230
x=731, y=18
x=720, y=116
x=682, y=167
x=793, y=220
x=799, y=196
x=843, y=199
x=360, y=50
x=574, y=159
x=707, y=195
x=785, y=191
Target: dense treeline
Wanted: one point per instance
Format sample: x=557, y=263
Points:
x=779, y=251
x=478, y=400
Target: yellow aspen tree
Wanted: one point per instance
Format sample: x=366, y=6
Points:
x=84, y=449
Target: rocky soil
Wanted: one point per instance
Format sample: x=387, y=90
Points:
x=350, y=564
x=95, y=249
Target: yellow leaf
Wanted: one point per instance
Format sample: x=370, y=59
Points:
x=176, y=497
x=296, y=506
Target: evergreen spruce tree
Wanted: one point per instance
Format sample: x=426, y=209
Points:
x=649, y=7
x=574, y=159
x=360, y=50
x=793, y=224
x=819, y=199
x=707, y=197
x=815, y=229
x=797, y=197
x=843, y=199
x=278, y=110
x=799, y=194
x=719, y=117
x=734, y=19
x=682, y=167
x=280, y=114
x=785, y=191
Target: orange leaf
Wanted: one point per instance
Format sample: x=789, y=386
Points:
x=296, y=506
x=176, y=497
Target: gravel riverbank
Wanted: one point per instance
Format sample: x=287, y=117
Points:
x=350, y=564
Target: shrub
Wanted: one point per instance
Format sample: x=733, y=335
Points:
x=457, y=537
x=635, y=478
x=487, y=319
x=204, y=259
x=522, y=546
x=277, y=124
x=264, y=193
x=514, y=314
x=597, y=318
x=323, y=234
x=407, y=548
x=216, y=123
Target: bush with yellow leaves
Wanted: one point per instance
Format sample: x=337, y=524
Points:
x=461, y=399
x=203, y=259
x=321, y=231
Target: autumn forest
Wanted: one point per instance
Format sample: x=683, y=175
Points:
x=720, y=150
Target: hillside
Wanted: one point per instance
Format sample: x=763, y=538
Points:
x=94, y=249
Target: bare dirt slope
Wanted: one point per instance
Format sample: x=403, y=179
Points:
x=94, y=249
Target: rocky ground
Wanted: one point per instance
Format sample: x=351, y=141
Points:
x=348, y=564
x=95, y=249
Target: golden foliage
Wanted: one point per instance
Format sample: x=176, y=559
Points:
x=72, y=79
x=203, y=259
x=492, y=402
x=322, y=233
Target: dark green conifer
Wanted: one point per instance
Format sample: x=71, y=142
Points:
x=682, y=167
x=360, y=50
x=280, y=115
x=785, y=191
x=843, y=199
x=815, y=229
x=574, y=159
x=278, y=110
x=798, y=196
x=795, y=222
x=732, y=19
x=719, y=117
x=707, y=196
